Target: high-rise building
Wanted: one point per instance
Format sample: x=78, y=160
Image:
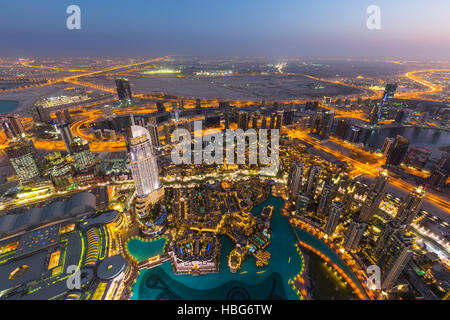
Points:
x=225, y=106
x=389, y=93
x=354, y=234
x=167, y=136
x=280, y=119
x=160, y=107
x=333, y=217
x=374, y=197
x=348, y=198
x=60, y=171
x=393, y=258
x=154, y=134
x=295, y=179
x=198, y=106
x=124, y=90
x=15, y=125
x=326, y=123
x=289, y=117
x=82, y=155
x=417, y=157
x=440, y=172
x=313, y=180
x=66, y=135
x=398, y=151
x=342, y=128
x=243, y=120
x=327, y=196
x=144, y=166
x=354, y=134
x=43, y=115
x=23, y=160
x=388, y=143
x=389, y=229
x=410, y=207
x=301, y=204
x=272, y=121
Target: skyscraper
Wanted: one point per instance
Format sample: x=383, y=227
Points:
x=393, y=258
x=295, y=179
x=354, y=234
x=123, y=90
x=410, y=207
x=313, y=180
x=82, y=155
x=386, y=148
x=389, y=93
x=43, y=114
x=144, y=166
x=243, y=120
x=440, y=172
x=389, y=229
x=398, y=151
x=333, y=217
x=154, y=134
x=66, y=135
x=15, y=125
x=60, y=171
x=22, y=158
x=375, y=195
x=327, y=196
x=301, y=204
x=280, y=119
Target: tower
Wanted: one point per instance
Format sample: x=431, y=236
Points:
x=123, y=90
x=393, y=258
x=375, y=196
x=66, y=135
x=398, y=151
x=333, y=217
x=327, y=196
x=354, y=234
x=313, y=180
x=22, y=158
x=295, y=179
x=410, y=207
x=144, y=166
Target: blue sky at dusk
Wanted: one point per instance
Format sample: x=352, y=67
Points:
x=412, y=29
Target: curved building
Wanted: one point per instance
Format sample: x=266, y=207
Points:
x=144, y=168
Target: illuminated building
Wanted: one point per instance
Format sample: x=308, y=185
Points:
x=389, y=93
x=342, y=128
x=154, y=134
x=410, y=207
x=288, y=117
x=398, y=151
x=60, y=171
x=440, y=172
x=333, y=217
x=417, y=157
x=393, y=258
x=386, y=148
x=66, y=135
x=354, y=134
x=302, y=204
x=144, y=167
x=167, y=136
x=354, y=234
x=243, y=120
x=322, y=123
x=82, y=155
x=13, y=127
x=295, y=179
x=272, y=121
x=160, y=107
x=375, y=196
x=327, y=196
x=280, y=120
x=389, y=229
x=43, y=114
x=225, y=105
x=123, y=90
x=348, y=198
x=22, y=157
x=313, y=180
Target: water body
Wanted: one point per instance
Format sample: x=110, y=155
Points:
x=250, y=282
x=8, y=106
x=142, y=250
x=423, y=137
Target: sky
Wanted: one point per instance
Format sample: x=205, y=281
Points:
x=410, y=29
